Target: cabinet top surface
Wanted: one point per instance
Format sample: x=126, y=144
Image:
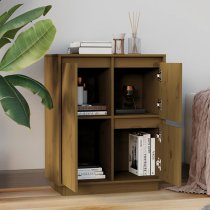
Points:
x=111, y=55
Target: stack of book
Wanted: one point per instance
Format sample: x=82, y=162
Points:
x=87, y=110
x=95, y=47
x=94, y=172
x=141, y=154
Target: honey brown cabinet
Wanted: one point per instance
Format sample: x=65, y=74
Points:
x=160, y=94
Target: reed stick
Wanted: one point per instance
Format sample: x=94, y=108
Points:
x=134, y=21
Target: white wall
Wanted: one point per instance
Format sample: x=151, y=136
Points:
x=180, y=29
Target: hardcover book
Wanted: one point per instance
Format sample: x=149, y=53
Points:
x=96, y=44
x=90, y=107
x=91, y=113
x=95, y=50
x=84, y=177
x=135, y=158
x=140, y=161
x=152, y=156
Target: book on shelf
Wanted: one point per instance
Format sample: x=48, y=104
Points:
x=85, y=166
x=95, y=50
x=96, y=44
x=152, y=156
x=96, y=176
x=146, y=153
x=91, y=113
x=141, y=154
x=90, y=172
x=98, y=169
x=135, y=151
x=87, y=171
x=90, y=107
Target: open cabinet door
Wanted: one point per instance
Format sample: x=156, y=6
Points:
x=69, y=126
x=171, y=91
x=171, y=154
x=53, y=121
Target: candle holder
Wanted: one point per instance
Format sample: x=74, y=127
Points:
x=129, y=97
x=118, y=43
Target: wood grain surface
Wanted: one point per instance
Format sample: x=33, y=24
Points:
x=45, y=198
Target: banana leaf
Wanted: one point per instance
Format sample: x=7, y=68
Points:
x=11, y=34
x=34, y=86
x=23, y=20
x=29, y=46
x=5, y=16
x=4, y=41
x=13, y=103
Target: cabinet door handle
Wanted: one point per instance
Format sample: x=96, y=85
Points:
x=158, y=137
x=158, y=164
x=159, y=76
x=159, y=104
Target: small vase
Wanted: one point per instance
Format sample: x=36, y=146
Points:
x=118, y=43
x=134, y=45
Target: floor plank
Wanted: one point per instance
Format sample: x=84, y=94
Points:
x=46, y=198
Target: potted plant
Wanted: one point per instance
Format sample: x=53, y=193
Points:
x=27, y=47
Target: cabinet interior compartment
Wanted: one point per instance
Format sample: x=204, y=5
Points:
x=97, y=82
x=146, y=85
x=121, y=154
x=94, y=140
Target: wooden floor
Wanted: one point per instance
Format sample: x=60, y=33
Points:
x=45, y=198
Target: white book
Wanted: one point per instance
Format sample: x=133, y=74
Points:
x=87, y=113
x=90, y=173
x=147, y=153
x=148, y=156
x=152, y=156
x=141, y=141
x=95, y=50
x=135, y=154
x=83, y=177
x=90, y=169
x=96, y=44
x=144, y=156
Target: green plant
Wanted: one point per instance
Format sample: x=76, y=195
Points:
x=27, y=47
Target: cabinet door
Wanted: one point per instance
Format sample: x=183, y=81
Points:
x=171, y=91
x=69, y=126
x=171, y=154
x=53, y=121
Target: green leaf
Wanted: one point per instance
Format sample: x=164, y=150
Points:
x=11, y=34
x=32, y=85
x=4, y=41
x=5, y=16
x=13, y=103
x=29, y=46
x=23, y=19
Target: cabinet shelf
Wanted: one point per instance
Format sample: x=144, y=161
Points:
x=132, y=116
x=129, y=177
x=94, y=181
x=93, y=117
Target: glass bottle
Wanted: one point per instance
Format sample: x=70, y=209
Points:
x=80, y=90
x=85, y=94
x=134, y=44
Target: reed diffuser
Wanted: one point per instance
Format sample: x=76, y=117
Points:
x=134, y=41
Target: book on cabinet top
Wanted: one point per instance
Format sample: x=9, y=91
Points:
x=96, y=44
x=95, y=50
